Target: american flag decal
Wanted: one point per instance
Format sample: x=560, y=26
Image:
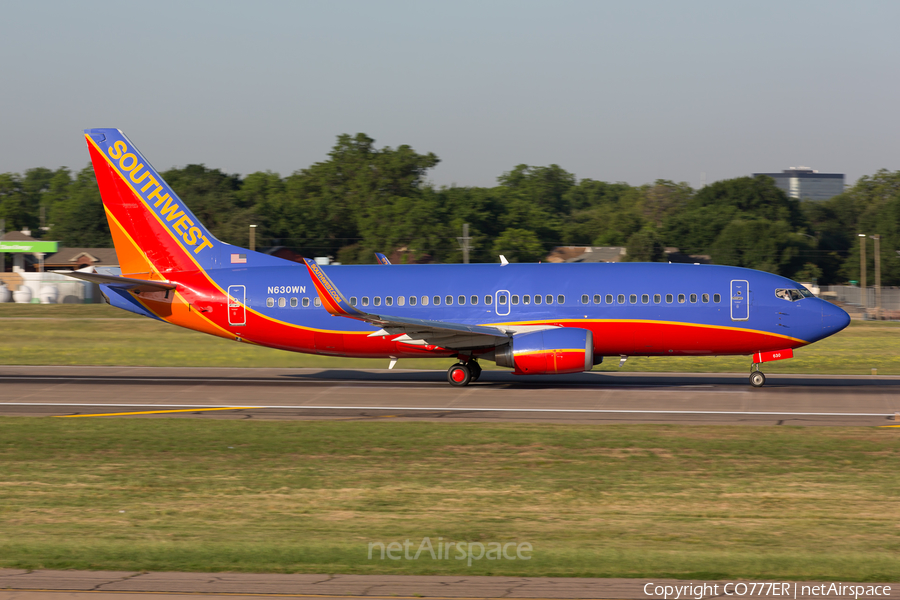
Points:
x=238, y=258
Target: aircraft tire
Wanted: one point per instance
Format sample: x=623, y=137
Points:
x=757, y=379
x=476, y=370
x=459, y=375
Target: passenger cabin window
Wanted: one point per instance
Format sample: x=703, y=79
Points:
x=365, y=301
x=560, y=299
x=376, y=300
x=501, y=299
x=388, y=300
x=537, y=298
x=526, y=299
x=632, y=298
x=488, y=299
x=317, y=303
x=401, y=300
x=669, y=298
x=717, y=298
x=461, y=300
x=281, y=302
x=680, y=298
x=413, y=300
x=693, y=298
x=424, y=300
x=609, y=298
x=270, y=302
x=448, y=300
x=293, y=303
x=597, y=298
x=585, y=299
x=621, y=298
x=515, y=299
x=645, y=298
x=704, y=298
x=352, y=300
x=657, y=298
x=436, y=300
x=306, y=303
x=548, y=298
x=473, y=300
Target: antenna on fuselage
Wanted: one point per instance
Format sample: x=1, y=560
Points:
x=503, y=261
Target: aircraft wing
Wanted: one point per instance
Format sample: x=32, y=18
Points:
x=422, y=332
x=457, y=336
x=142, y=285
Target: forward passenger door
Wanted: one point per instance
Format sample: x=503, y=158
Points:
x=740, y=300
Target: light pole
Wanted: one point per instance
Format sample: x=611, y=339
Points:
x=464, y=243
x=864, y=296
x=877, y=239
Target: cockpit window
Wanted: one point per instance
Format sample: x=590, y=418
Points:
x=793, y=295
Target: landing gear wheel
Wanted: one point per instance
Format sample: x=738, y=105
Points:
x=459, y=375
x=475, y=368
x=757, y=379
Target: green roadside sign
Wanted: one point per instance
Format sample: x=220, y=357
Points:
x=45, y=247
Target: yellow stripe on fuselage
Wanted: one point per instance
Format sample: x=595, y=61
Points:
x=574, y=321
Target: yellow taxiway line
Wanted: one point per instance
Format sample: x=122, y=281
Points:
x=156, y=412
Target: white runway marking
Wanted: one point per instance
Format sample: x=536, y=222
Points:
x=463, y=409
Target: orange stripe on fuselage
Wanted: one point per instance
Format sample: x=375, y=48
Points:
x=178, y=311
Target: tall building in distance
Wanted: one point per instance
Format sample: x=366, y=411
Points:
x=806, y=184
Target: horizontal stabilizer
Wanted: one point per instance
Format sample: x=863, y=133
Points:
x=141, y=285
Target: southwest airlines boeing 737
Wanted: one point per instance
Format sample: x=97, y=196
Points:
x=532, y=318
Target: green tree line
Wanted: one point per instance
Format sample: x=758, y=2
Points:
x=364, y=199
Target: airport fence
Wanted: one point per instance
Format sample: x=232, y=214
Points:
x=853, y=295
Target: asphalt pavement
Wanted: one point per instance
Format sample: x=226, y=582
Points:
x=595, y=397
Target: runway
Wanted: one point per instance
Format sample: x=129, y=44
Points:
x=596, y=397
x=18, y=584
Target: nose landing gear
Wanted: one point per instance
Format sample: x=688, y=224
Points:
x=757, y=378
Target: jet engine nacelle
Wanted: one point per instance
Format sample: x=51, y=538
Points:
x=561, y=350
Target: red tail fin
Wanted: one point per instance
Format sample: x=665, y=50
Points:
x=152, y=229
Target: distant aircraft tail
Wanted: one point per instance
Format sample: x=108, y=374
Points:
x=153, y=230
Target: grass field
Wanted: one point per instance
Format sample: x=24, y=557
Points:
x=101, y=335
x=608, y=501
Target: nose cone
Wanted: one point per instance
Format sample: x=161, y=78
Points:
x=834, y=318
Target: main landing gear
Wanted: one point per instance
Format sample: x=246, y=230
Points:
x=462, y=373
x=757, y=379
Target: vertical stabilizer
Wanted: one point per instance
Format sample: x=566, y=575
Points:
x=153, y=230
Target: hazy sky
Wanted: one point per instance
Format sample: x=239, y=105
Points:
x=616, y=91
